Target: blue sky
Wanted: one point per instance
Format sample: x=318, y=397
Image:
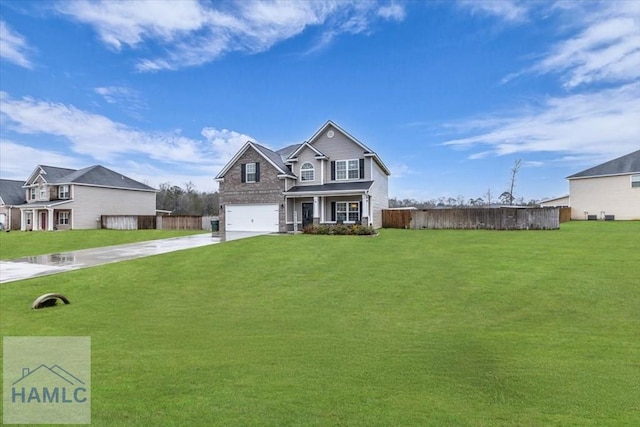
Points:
x=448, y=93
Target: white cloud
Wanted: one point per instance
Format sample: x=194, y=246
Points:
x=606, y=50
x=225, y=142
x=128, y=99
x=196, y=32
x=13, y=165
x=392, y=12
x=106, y=140
x=13, y=47
x=152, y=157
x=130, y=22
x=604, y=124
x=508, y=10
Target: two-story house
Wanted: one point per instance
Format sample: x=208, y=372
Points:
x=611, y=189
x=63, y=199
x=331, y=178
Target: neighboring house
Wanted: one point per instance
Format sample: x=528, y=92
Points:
x=63, y=199
x=612, y=188
x=562, y=201
x=11, y=196
x=331, y=178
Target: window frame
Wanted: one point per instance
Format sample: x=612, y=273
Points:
x=248, y=173
x=635, y=181
x=63, y=217
x=311, y=169
x=42, y=192
x=63, y=192
x=32, y=193
x=351, y=211
x=348, y=170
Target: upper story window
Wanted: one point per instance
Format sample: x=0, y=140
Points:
x=250, y=172
x=32, y=193
x=63, y=192
x=307, y=172
x=635, y=181
x=348, y=169
x=43, y=192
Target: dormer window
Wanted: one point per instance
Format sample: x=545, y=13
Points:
x=307, y=172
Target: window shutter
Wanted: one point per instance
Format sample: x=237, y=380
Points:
x=333, y=211
x=243, y=173
x=333, y=170
x=257, y=172
x=361, y=168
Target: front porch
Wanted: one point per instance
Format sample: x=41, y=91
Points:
x=37, y=217
x=302, y=210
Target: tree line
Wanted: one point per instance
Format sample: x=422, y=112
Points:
x=187, y=200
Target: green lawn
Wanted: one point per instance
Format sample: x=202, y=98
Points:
x=460, y=328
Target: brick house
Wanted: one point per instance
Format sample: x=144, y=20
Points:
x=331, y=178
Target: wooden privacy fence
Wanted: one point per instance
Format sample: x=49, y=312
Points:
x=128, y=222
x=151, y=222
x=472, y=218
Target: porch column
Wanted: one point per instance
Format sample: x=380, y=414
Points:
x=23, y=220
x=316, y=210
x=365, y=209
x=322, y=208
x=50, y=219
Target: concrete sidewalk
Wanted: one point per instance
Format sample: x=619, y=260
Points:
x=41, y=265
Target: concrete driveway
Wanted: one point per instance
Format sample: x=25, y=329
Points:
x=41, y=265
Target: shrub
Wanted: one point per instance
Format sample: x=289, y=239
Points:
x=340, y=230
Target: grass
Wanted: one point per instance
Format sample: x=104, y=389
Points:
x=461, y=328
x=20, y=243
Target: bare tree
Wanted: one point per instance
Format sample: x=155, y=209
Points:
x=517, y=164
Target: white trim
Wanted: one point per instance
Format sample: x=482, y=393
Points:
x=347, y=170
x=312, y=170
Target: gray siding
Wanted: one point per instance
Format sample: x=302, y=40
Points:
x=340, y=147
x=91, y=202
x=308, y=155
x=379, y=193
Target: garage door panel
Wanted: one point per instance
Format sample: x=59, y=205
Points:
x=254, y=217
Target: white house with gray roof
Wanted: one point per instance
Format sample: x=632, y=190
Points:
x=11, y=196
x=609, y=190
x=331, y=178
x=63, y=199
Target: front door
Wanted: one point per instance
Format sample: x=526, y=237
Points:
x=307, y=214
x=43, y=220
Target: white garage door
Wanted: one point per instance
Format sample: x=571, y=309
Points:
x=251, y=218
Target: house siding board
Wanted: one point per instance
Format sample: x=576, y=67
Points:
x=612, y=195
x=379, y=195
x=340, y=147
x=92, y=202
x=267, y=191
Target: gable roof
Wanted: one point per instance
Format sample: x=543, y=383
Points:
x=11, y=192
x=624, y=165
x=96, y=175
x=271, y=156
x=280, y=157
x=367, y=151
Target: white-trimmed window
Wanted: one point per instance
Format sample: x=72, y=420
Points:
x=63, y=192
x=635, y=181
x=307, y=172
x=347, y=169
x=43, y=192
x=348, y=211
x=250, y=172
x=32, y=193
x=63, y=218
